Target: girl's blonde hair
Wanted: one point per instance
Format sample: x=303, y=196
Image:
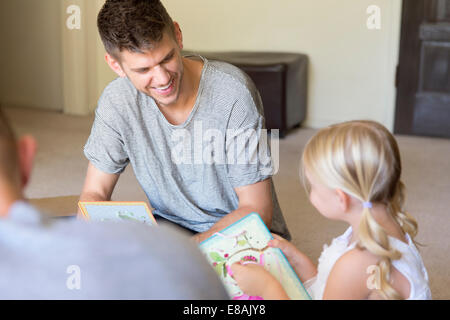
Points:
x=362, y=159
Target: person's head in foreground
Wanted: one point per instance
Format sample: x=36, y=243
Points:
x=352, y=173
x=16, y=161
x=144, y=45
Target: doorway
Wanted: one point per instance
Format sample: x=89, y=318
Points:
x=423, y=73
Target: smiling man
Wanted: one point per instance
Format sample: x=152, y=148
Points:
x=161, y=96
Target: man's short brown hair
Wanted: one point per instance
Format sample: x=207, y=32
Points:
x=8, y=150
x=133, y=25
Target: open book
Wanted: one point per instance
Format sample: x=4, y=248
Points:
x=117, y=211
x=246, y=240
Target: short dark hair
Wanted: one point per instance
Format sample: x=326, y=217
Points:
x=8, y=149
x=133, y=25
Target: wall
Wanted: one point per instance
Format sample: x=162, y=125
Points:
x=30, y=58
x=351, y=74
x=83, y=60
x=44, y=64
x=352, y=68
x=84, y=66
x=104, y=72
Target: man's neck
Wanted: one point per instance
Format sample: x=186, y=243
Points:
x=179, y=112
x=192, y=75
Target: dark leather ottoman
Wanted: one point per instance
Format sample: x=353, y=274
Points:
x=281, y=79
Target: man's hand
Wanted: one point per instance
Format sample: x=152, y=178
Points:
x=252, y=198
x=199, y=237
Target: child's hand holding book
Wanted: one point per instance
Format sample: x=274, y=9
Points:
x=302, y=265
x=254, y=280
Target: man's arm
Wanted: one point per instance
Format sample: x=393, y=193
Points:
x=98, y=186
x=252, y=198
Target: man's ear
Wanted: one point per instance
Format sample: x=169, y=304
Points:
x=344, y=200
x=26, y=147
x=114, y=65
x=178, y=35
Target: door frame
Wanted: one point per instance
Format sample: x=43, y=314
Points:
x=408, y=69
x=414, y=14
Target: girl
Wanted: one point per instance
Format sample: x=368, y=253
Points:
x=352, y=173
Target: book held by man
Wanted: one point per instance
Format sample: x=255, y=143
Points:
x=117, y=211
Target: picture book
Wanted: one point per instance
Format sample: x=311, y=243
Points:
x=117, y=211
x=246, y=241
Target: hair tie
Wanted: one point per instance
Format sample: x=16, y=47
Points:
x=367, y=205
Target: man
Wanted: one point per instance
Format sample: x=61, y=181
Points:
x=44, y=259
x=163, y=103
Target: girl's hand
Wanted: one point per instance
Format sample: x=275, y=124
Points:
x=289, y=250
x=302, y=265
x=254, y=280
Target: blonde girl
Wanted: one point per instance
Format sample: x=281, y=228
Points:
x=352, y=173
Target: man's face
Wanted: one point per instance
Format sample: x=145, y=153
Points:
x=158, y=72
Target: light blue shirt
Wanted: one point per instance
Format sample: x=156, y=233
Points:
x=43, y=258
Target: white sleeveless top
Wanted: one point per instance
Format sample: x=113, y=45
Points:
x=410, y=265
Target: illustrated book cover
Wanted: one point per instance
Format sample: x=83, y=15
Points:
x=246, y=241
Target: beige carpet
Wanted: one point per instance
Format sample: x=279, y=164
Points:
x=60, y=169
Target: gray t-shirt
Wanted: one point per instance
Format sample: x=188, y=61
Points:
x=54, y=259
x=188, y=171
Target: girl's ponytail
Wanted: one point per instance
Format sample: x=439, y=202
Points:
x=403, y=218
x=374, y=238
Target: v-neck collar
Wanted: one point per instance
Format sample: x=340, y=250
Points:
x=197, y=99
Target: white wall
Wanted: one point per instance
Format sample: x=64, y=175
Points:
x=84, y=66
x=81, y=52
x=104, y=72
x=352, y=68
x=30, y=56
x=44, y=64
